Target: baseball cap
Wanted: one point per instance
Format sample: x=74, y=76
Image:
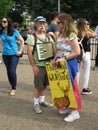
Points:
x=40, y=19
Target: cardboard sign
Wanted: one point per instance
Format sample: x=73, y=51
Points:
x=60, y=86
x=45, y=51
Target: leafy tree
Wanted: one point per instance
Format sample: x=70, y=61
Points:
x=5, y=6
x=76, y=8
x=79, y=8
x=95, y=15
x=42, y=7
x=17, y=10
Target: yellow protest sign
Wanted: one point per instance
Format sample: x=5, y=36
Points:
x=60, y=86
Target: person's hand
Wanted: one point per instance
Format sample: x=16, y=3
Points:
x=36, y=70
x=51, y=34
x=19, y=53
x=61, y=59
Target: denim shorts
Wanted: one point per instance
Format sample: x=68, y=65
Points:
x=41, y=80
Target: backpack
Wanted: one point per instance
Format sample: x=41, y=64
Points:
x=80, y=57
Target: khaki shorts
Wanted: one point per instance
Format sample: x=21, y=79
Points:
x=41, y=80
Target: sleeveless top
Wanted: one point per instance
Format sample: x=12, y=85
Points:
x=86, y=44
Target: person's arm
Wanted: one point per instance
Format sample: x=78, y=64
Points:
x=91, y=33
x=21, y=47
x=76, y=49
x=52, y=35
x=0, y=44
x=30, y=56
x=0, y=41
x=56, y=35
x=30, y=49
x=74, y=45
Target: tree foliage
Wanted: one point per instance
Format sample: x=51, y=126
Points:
x=5, y=6
x=76, y=8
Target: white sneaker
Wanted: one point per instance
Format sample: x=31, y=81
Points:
x=65, y=111
x=72, y=116
x=37, y=109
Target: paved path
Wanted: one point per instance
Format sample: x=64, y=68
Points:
x=16, y=113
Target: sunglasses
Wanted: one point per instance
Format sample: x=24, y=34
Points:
x=4, y=21
x=59, y=22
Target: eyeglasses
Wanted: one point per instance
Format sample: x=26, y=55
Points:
x=4, y=21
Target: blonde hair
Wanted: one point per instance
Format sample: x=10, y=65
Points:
x=68, y=24
x=82, y=28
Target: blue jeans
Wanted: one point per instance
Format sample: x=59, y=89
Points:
x=11, y=65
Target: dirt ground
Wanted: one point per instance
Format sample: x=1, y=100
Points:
x=16, y=113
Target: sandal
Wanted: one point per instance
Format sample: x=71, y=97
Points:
x=12, y=93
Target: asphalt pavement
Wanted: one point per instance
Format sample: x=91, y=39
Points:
x=16, y=113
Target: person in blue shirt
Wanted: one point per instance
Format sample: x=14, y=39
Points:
x=10, y=50
x=53, y=29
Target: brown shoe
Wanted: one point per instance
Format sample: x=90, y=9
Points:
x=12, y=93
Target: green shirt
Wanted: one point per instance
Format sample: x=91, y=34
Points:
x=31, y=41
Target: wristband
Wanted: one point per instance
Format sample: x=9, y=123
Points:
x=19, y=52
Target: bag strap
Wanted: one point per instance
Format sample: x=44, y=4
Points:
x=47, y=37
x=81, y=39
x=35, y=37
x=35, y=41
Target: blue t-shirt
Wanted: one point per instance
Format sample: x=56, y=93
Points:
x=53, y=28
x=9, y=45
